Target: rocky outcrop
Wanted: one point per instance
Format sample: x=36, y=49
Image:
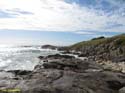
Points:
x=49, y=47
x=52, y=47
x=64, y=74
x=103, y=48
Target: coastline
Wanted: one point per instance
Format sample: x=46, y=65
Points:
x=64, y=74
x=90, y=70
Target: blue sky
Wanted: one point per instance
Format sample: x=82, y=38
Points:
x=60, y=22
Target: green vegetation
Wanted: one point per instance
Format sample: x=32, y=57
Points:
x=102, y=37
x=116, y=40
x=16, y=90
x=112, y=48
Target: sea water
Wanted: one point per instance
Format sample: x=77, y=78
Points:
x=21, y=57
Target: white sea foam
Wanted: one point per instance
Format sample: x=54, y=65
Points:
x=21, y=57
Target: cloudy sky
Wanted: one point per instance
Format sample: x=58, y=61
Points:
x=60, y=22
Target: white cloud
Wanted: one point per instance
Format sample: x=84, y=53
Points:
x=84, y=33
x=56, y=15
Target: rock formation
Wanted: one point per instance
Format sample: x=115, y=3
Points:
x=62, y=74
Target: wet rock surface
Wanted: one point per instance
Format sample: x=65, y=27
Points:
x=64, y=74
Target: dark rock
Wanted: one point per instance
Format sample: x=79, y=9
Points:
x=82, y=55
x=41, y=57
x=49, y=47
x=102, y=37
x=119, y=59
x=20, y=72
x=72, y=64
x=115, y=85
x=58, y=56
x=59, y=65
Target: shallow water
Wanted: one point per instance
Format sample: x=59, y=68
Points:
x=21, y=57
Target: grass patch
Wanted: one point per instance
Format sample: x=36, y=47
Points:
x=16, y=90
x=116, y=40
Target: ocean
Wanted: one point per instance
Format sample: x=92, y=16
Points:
x=21, y=57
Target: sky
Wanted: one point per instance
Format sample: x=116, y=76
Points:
x=59, y=22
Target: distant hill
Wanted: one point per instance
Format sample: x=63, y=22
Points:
x=112, y=48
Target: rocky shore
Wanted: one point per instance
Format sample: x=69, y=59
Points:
x=106, y=49
x=95, y=66
x=64, y=74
